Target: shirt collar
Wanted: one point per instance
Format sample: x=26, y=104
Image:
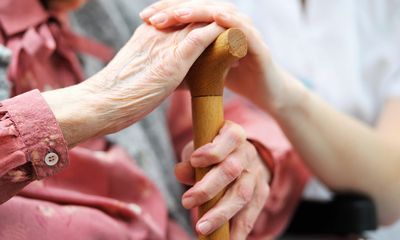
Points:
x=11, y=11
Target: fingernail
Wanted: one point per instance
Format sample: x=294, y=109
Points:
x=147, y=12
x=159, y=18
x=188, y=202
x=182, y=12
x=204, y=227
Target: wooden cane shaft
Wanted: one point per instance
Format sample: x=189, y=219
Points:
x=208, y=118
x=206, y=83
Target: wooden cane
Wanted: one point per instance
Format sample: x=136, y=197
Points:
x=206, y=84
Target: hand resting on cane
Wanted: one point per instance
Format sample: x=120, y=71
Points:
x=237, y=161
x=338, y=148
x=144, y=72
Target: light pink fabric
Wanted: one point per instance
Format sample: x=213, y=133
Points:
x=101, y=194
x=290, y=175
x=28, y=132
x=43, y=47
x=105, y=185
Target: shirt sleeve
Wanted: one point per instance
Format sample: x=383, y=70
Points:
x=389, y=58
x=289, y=174
x=32, y=146
x=392, y=85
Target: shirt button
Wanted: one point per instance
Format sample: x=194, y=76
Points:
x=51, y=159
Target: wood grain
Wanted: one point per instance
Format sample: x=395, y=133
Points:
x=206, y=84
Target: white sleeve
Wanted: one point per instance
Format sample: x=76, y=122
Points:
x=390, y=87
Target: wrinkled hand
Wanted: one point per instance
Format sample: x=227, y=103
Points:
x=267, y=80
x=148, y=69
x=142, y=74
x=237, y=167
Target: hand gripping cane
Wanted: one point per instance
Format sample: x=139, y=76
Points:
x=206, y=84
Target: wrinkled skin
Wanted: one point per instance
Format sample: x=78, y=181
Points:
x=149, y=68
x=256, y=77
x=143, y=73
x=237, y=167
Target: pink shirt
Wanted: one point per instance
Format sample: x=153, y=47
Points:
x=94, y=191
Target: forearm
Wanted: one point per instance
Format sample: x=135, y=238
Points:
x=99, y=106
x=142, y=74
x=343, y=152
x=89, y=110
x=75, y=111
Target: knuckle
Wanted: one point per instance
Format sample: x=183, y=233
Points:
x=203, y=194
x=221, y=217
x=236, y=132
x=195, y=39
x=212, y=156
x=232, y=170
x=235, y=137
x=239, y=131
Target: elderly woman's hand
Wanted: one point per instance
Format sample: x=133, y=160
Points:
x=143, y=73
x=257, y=77
x=237, y=166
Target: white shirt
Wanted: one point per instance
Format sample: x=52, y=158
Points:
x=347, y=51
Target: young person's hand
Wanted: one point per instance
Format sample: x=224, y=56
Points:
x=256, y=77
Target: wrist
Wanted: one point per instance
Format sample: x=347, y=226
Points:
x=289, y=95
x=117, y=101
x=266, y=158
x=76, y=111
